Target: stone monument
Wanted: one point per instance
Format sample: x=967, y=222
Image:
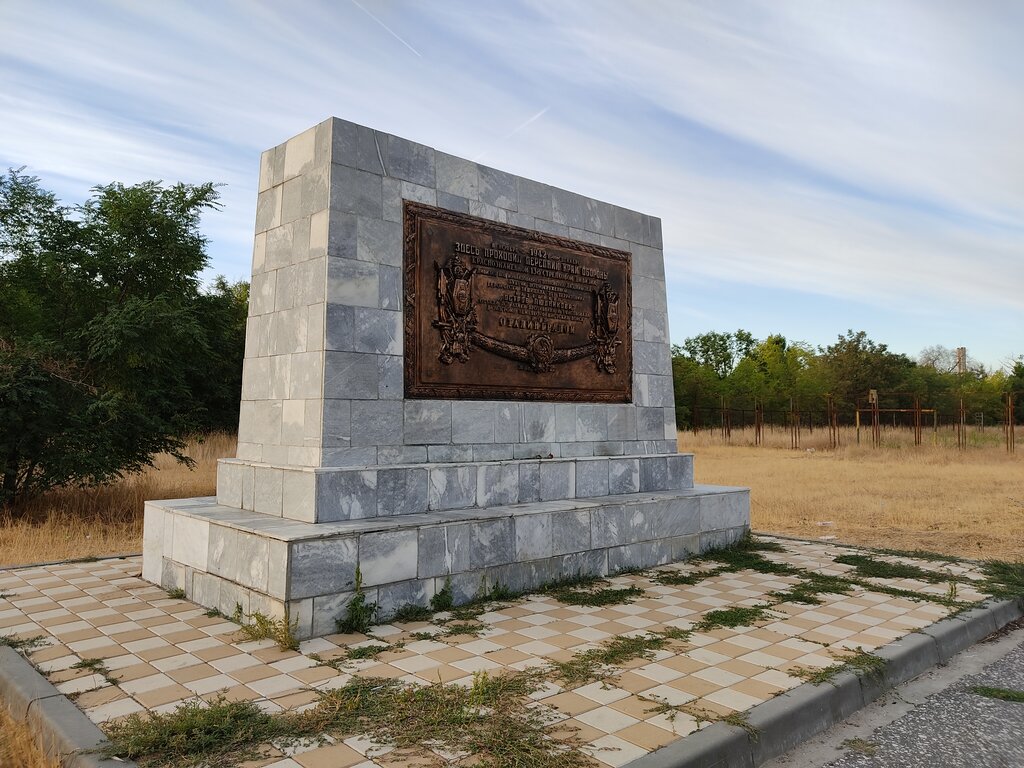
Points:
x=452, y=374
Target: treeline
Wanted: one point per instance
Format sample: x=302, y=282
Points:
x=111, y=349
x=739, y=372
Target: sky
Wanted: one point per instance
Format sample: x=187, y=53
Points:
x=818, y=166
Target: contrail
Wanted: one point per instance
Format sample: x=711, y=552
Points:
x=515, y=130
x=520, y=127
x=386, y=27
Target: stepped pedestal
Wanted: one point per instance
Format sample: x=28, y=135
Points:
x=451, y=373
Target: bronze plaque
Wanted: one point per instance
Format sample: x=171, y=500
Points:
x=498, y=312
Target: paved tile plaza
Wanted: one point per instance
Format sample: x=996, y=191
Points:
x=163, y=651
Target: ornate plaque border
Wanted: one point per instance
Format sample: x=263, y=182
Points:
x=412, y=214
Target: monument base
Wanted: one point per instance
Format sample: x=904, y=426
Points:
x=224, y=557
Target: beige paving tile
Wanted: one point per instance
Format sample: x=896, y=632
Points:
x=135, y=672
x=234, y=693
x=159, y=696
x=669, y=693
x=314, y=675
x=735, y=699
x=571, y=728
x=614, y=751
x=250, y=673
x=114, y=709
x=601, y=692
x=570, y=703
x=192, y=672
x=331, y=756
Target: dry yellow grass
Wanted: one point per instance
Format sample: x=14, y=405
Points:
x=18, y=749
x=73, y=522
x=936, y=498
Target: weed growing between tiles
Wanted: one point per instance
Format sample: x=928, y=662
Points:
x=729, y=618
x=343, y=662
x=1003, y=694
x=860, y=662
x=177, y=593
x=23, y=645
x=597, y=597
x=807, y=592
x=410, y=613
x=745, y=555
x=680, y=579
x=463, y=620
x=700, y=715
x=97, y=667
x=492, y=720
x=871, y=568
x=600, y=663
x=196, y=733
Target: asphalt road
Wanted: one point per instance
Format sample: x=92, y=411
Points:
x=934, y=721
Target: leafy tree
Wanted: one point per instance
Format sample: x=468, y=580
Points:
x=697, y=389
x=776, y=371
x=215, y=378
x=106, y=336
x=857, y=364
x=719, y=351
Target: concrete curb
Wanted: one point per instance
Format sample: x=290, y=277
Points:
x=62, y=729
x=790, y=718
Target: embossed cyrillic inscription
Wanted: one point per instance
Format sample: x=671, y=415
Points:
x=499, y=312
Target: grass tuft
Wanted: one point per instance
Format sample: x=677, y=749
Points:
x=597, y=597
x=860, y=662
x=97, y=667
x=862, y=746
x=491, y=720
x=23, y=645
x=177, y=593
x=746, y=556
x=597, y=663
x=1003, y=694
x=366, y=651
x=444, y=598
x=359, y=613
x=680, y=579
x=194, y=734
x=870, y=568
x=737, y=616
x=262, y=627
x=410, y=612
x=813, y=584
x=1003, y=579
x=464, y=628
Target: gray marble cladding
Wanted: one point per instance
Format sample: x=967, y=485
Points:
x=335, y=494
x=325, y=330
x=222, y=557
